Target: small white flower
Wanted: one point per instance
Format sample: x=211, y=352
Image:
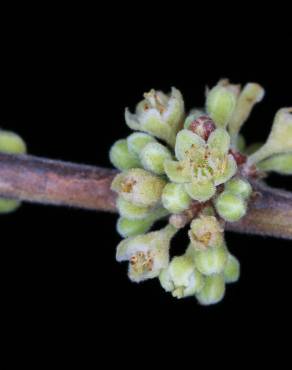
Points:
x=148, y=254
x=159, y=115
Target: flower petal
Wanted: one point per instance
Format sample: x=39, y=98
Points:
x=219, y=141
x=132, y=120
x=228, y=172
x=176, y=172
x=186, y=140
x=175, y=110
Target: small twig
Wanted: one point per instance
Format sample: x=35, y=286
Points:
x=46, y=181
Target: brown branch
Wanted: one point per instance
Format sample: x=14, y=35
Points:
x=54, y=182
x=270, y=213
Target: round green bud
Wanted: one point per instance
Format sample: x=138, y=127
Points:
x=127, y=227
x=11, y=143
x=212, y=260
x=230, y=207
x=137, y=141
x=175, y=198
x=239, y=187
x=8, y=205
x=121, y=158
x=130, y=210
x=213, y=290
x=220, y=105
x=232, y=269
x=153, y=156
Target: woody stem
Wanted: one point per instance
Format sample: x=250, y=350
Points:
x=46, y=181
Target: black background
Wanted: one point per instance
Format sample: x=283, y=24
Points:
x=64, y=86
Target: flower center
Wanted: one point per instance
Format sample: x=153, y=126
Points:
x=203, y=238
x=201, y=164
x=142, y=262
x=127, y=185
x=154, y=101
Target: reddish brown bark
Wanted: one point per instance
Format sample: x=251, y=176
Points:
x=46, y=181
x=54, y=182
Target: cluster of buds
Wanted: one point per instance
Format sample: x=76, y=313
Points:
x=191, y=168
x=10, y=143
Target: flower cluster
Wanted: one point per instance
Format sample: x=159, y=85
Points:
x=191, y=168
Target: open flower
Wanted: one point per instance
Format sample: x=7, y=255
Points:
x=206, y=232
x=158, y=114
x=139, y=187
x=202, y=165
x=148, y=254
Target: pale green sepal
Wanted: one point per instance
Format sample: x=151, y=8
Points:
x=201, y=191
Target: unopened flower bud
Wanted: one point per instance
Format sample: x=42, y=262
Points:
x=127, y=227
x=181, y=277
x=280, y=163
x=232, y=269
x=139, y=187
x=230, y=206
x=220, y=105
x=137, y=142
x=202, y=126
x=213, y=290
x=206, y=232
x=239, y=187
x=194, y=114
x=153, y=157
x=12, y=143
x=121, y=158
x=8, y=205
x=280, y=138
x=132, y=211
x=235, y=88
x=175, y=198
x=148, y=254
x=251, y=94
x=211, y=260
